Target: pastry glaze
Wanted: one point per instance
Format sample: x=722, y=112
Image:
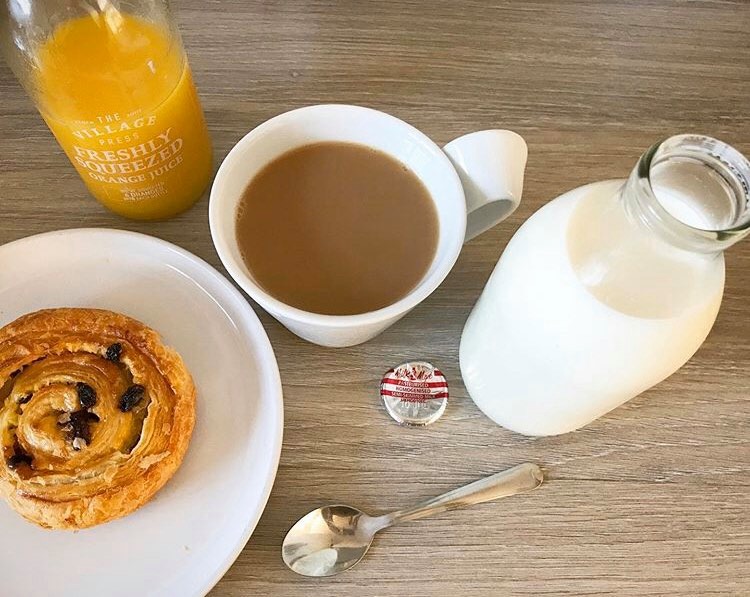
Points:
x=131, y=455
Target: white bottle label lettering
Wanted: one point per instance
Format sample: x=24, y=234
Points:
x=139, y=163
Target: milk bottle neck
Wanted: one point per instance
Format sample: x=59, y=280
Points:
x=691, y=191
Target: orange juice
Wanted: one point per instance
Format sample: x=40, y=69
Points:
x=118, y=94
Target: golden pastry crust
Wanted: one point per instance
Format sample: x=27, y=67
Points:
x=49, y=473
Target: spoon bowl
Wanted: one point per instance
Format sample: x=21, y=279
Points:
x=327, y=541
x=334, y=538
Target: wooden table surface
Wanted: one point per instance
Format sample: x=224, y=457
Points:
x=653, y=499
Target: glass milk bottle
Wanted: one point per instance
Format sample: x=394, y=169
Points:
x=607, y=290
x=111, y=80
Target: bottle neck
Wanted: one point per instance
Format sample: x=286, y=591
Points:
x=692, y=192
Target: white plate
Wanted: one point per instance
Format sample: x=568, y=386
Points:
x=182, y=541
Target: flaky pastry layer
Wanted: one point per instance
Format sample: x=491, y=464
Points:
x=96, y=415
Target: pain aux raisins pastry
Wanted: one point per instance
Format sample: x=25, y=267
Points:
x=95, y=416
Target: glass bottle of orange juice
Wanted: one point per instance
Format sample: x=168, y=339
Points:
x=112, y=82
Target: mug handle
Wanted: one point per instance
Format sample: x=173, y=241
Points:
x=490, y=165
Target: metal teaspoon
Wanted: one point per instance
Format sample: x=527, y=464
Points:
x=332, y=539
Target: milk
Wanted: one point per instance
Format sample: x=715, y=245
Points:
x=586, y=309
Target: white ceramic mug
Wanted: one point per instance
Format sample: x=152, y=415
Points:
x=475, y=182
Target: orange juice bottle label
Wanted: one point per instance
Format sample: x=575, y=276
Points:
x=144, y=162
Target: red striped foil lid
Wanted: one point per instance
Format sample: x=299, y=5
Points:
x=414, y=393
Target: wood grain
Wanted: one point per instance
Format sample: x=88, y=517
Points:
x=650, y=500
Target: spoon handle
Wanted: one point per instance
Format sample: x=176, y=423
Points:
x=518, y=479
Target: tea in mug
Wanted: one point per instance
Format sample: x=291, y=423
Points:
x=337, y=228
